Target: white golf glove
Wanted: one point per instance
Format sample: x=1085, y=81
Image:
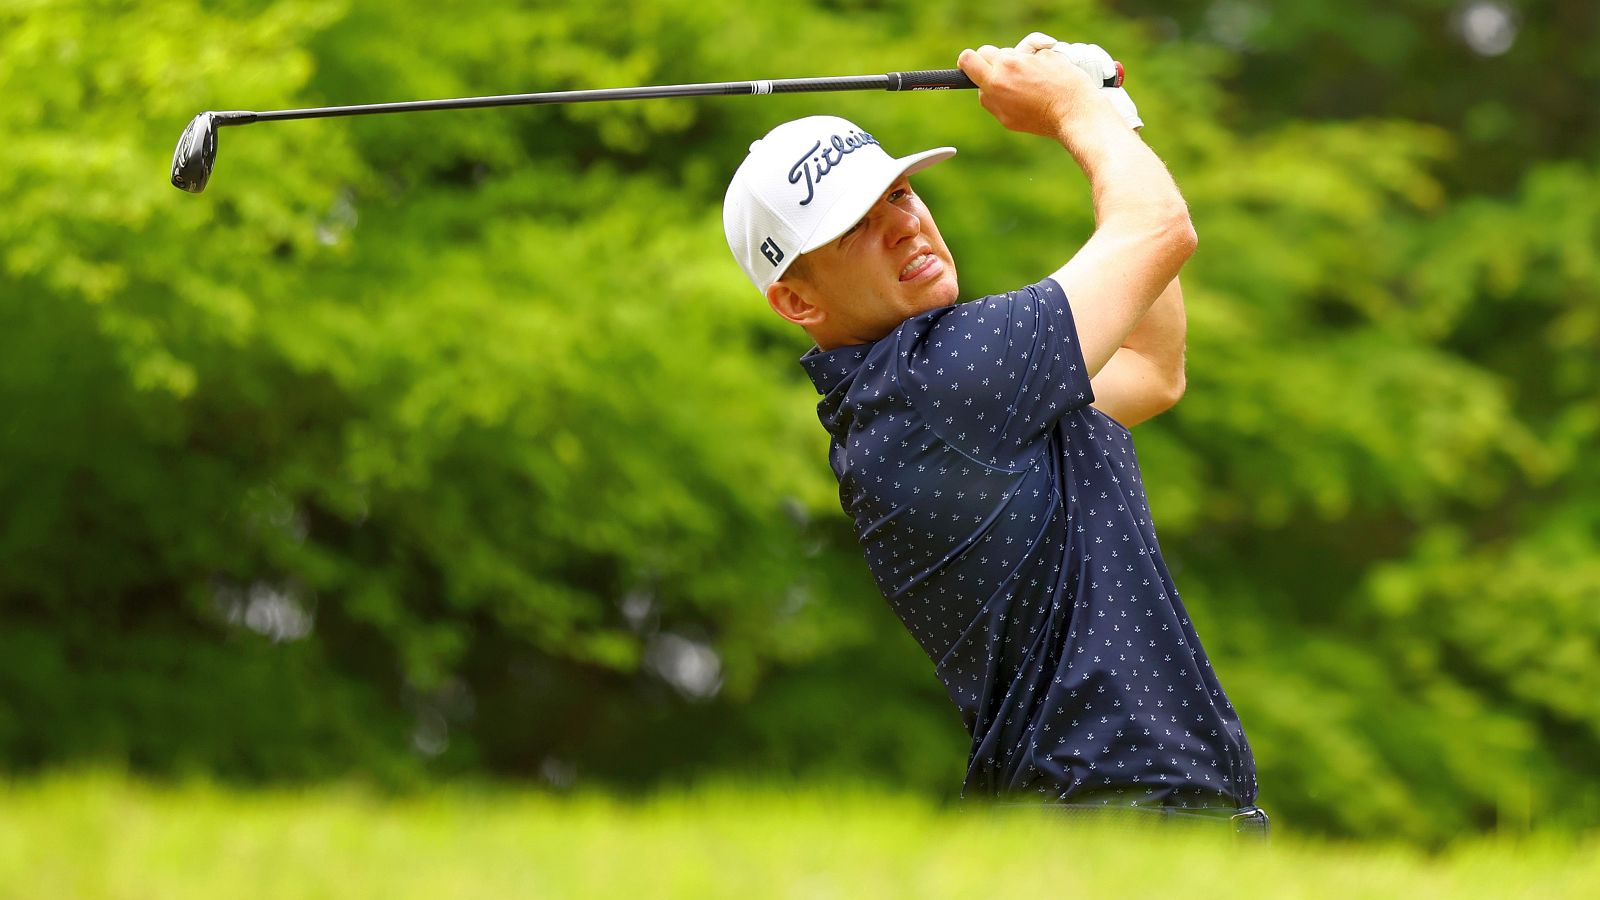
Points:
x=1097, y=64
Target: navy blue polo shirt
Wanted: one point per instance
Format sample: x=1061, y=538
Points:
x=1004, y=520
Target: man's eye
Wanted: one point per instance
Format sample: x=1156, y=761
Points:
x=852, y=228
x=897, y=193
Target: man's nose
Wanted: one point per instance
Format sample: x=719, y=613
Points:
x=901, y=223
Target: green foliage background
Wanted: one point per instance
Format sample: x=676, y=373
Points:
x=456, y=443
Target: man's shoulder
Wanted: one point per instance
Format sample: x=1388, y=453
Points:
x=935, y=348
x=974, y=315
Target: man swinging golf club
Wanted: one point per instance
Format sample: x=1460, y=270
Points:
x=983, y=450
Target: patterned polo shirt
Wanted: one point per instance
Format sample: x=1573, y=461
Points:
x=1004, y=520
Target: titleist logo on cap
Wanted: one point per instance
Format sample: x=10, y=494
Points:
x=823, y=163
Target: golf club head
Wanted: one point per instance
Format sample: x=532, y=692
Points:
x=196, y=153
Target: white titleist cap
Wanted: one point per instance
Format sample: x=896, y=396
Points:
x=803, y=185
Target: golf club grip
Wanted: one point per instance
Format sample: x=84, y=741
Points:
x=943, y=79
x=929, y=80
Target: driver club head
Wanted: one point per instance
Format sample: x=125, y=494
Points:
x=195, y=154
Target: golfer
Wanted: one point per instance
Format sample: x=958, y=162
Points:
x=983, y=450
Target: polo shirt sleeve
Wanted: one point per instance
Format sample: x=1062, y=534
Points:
x=992, y=376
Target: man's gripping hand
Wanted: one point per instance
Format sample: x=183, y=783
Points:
x=1100, y=66
x=1028, y=91
x=1091, y=59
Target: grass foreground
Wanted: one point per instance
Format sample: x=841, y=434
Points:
x=97, y=835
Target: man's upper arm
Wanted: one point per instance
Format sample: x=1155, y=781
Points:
x=1114, y=279
x=994, y=375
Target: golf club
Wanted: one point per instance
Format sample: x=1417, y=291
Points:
x=196, y=153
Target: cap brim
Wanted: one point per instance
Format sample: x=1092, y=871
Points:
x=849, y=210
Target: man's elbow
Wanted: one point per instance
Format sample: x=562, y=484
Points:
x=1172, y=389
x=1178, y=234
x=1175, y=388
x=1165, y=238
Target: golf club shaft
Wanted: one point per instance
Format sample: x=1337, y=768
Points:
x=196, y=152
x=923, y=80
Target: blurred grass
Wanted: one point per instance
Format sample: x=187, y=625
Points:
x=100, y=834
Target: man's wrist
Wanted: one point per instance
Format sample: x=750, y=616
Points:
x=1087, y=124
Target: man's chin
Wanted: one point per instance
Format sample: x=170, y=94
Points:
x=942, y=292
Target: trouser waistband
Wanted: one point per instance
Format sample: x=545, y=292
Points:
x=1247, y=820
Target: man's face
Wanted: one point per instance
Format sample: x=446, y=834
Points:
x=888, y=267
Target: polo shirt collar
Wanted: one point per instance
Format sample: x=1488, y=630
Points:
x=830, y=368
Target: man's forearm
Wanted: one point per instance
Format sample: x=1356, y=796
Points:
x=1142, y=237
x=1160, y=335
x=1145, y=376
x=1130, y=186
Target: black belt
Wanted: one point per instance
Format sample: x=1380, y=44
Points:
x=1251, y=821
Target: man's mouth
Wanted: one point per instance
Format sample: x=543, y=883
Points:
x=919, y=265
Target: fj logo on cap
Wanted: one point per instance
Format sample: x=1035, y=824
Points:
x=770, y=250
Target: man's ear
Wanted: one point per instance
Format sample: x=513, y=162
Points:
x=790, y=301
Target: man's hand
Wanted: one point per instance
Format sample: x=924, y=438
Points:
x=1025, y=90
x=1094, y=60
